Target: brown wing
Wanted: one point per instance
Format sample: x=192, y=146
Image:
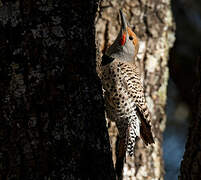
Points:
x=128, y=76
x=145, y=129
x=132, y=83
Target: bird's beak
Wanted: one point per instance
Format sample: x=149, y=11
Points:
x=123, y=32
x=123, y=21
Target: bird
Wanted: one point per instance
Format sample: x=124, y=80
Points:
x=124, y=97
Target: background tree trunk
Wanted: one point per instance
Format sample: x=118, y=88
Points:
x=190, y=166
x=155, y=29
x=52, y=123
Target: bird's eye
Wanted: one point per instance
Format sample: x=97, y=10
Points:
x=131, y=38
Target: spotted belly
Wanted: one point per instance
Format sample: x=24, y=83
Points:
x=126, y=119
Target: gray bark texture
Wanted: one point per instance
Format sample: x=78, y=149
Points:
x=190, y=165
x=52, y=123
x=155, y=29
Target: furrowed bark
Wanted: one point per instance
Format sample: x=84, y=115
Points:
x=52, y=123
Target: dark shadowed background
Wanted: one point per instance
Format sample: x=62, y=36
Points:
x=187, y=16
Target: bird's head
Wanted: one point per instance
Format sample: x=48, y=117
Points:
x=125, y=47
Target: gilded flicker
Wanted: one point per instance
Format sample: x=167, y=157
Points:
x=124, y=94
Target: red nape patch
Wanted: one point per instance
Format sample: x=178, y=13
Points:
x=123, y=39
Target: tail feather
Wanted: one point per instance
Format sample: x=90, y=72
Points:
x=132, y=134
x=130, y=147
x=145, y=129
x=120, y=154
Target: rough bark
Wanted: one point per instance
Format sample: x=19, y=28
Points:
x=52, y=123
x=190, y=165
x=155, y=29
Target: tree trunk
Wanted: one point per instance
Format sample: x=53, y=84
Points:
x=155, y=30
x=52, y=123
x=190, y=165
